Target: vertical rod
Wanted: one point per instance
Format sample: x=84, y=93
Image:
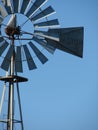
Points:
x=19, y=101
x=11, y=95
x=2, y=98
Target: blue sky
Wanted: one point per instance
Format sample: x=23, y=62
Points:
x=63, y=93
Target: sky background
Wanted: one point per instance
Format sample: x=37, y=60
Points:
x=63, y=93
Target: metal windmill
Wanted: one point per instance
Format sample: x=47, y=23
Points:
x=17, y=43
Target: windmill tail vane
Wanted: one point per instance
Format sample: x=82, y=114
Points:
x=26, y=28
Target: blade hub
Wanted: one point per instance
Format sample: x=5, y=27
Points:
x=12, y=31
x=14, y=27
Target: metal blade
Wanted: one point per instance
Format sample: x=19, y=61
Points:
x=1, y=39
x=44, y=44
x=18, y=60
x=50, y=35
x=37, y=4
x=51, y=23
x=29, y=58
x=8, y=6
x=3, y=11
x=71, y=40
x=6, y=62
x=0, y=30
x=11, y=5
x=24, y=6
x=45, y=13
x=8, y=9
x=3, y=47
x=16, y=5
x=1, y=19
x=38, y=53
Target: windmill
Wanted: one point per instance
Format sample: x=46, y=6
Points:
x=17, y=43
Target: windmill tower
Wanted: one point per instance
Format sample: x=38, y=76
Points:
x=44, y=32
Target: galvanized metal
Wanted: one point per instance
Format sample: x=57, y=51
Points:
x=1, y=39
x=10, y=124
x=8, y=5
x=38, y=53
x=2, y=98
x=3, y=11
x=43, y=14
x=12, y=79
x=3, y=47
x=29, y=59
x=43, y=43
x=6, y=62
x=18, y=60
x=16, y=5
x=20, y=109
x=50, y=35
x=70, y=40
x=1, y=19
x=47, y=24
x=24, y=6
x=36, y=5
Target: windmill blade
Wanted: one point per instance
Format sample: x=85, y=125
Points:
x=0, y=31
x=3, y=11
x=29, y=58
x=6, y=62
x=3, y=47
x=18, y=60
x=38, y=53
x=51, y=23
x=44, y=44
x=24, y=6
x=45, y=13
x=1, y=19
x=16, y=5
x=1, y=39
x=2, y=98
x=37, y=4
x=8, y=9
x=11, y=3
x=8, y=6
x=71, y=40
x=50, y=35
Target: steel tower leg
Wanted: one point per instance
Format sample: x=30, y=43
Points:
x=20, y=110
x=10, y=107
x=12, y=79
x=10, y=124
x=11, y=119
x=11, y=94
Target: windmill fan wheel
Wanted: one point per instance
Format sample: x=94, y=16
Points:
x=45, y=32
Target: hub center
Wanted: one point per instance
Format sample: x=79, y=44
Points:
x=12, y=31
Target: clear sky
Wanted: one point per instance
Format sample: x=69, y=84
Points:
x=63, y=93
